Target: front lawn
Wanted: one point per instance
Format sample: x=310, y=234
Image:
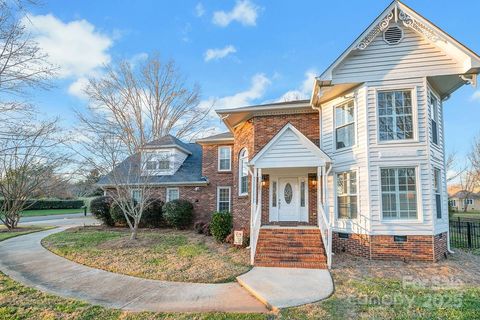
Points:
x=7, y=234
x=49, y=212
x=161, y=254
x=20, y=302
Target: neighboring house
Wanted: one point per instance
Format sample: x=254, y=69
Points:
x=462, y=199
x=359, y=168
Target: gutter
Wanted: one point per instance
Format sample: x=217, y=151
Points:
x=161, y=184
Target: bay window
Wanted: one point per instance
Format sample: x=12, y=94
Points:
x=347, y=195
x=395, y=115
x=345, y=125
x=399, y=193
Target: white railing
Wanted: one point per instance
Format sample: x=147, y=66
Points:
x=326, y=231
x=256, y=212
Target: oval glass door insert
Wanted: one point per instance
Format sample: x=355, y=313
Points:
x=287, y=193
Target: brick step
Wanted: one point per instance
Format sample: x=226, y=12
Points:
x=290, y=231
x=291, y=236
x=308, y=265
x=299, y=257
x=282, y=242
x=315, y=250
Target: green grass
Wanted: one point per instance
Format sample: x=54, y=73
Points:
x=4, y=234
x=20, y=302
x=49, y=212
x=161, y=254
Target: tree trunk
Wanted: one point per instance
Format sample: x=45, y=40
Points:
x=134, y=231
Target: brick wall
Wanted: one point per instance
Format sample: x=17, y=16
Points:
x=266, y=127
x=440, y=248
x=383, y=247
x=356, y=244
x=244, y=136
x=416, y=248
x=215, y=178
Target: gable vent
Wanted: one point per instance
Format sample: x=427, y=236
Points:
x=393, y=35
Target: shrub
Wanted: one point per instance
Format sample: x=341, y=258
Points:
x=34, y=204
x=198, y=226
x=117, y=215
x=152, y=215
x=100, y=208
x=178, y=213
x=221, y=225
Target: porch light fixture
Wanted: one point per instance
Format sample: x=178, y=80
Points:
x=264, y=180
x=312, y=178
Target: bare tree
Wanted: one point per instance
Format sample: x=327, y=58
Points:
x=22, y=66
x=26, y=167
x=469, y=181
x=130, y=106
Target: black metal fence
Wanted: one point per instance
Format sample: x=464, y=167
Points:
x=465, y=234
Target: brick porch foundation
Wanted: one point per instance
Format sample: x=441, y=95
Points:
x=388, y=247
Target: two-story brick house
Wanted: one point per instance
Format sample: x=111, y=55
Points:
x=360, y=167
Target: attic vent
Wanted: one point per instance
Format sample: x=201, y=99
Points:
x=393, y=35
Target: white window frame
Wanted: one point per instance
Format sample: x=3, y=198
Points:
x=241, y=160
x=229, y=197
x=468, y=202
x=452, y=203
x=419, y=218
x=337, y=172
x=156, y=156
x=354, y=122
x=220, y=148
x=132, y=192
x=167, y=193
x=414, y=95
x=434, y=115
x=437, y=191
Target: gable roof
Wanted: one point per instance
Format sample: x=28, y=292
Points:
x=289, y=148
x=235, y=116
x=189, y=173
x=167, y=141
x=410, y=18
x=221, y=137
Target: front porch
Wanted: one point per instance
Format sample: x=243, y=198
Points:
x=289, y=227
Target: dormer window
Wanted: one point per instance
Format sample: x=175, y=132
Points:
x=157, y=162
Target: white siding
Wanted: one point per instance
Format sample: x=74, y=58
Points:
x=347, y=159
x=413, y=56
x=288, y=151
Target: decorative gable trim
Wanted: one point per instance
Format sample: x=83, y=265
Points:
x=381, y=26
x=401, y=13
x=419, y=27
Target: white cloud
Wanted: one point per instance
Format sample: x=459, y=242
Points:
x=199, y=10
x=244, y=12
x=75, y=47
x=259, y=84
x=303, y=91
x=78, y=87
x=213, y=54
x=476, y=96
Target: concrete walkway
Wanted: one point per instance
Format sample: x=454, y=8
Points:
x=25, y=260
x=287, y=287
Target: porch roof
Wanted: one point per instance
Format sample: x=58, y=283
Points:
x=289, y=148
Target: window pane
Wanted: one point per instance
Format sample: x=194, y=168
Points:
x=164, y=164
x=347, y=195
x=302, y=194
x=345, y=126
x=274, y=193
x=399, y=199
x=395, y=115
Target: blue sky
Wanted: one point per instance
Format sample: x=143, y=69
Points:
x=240, y=52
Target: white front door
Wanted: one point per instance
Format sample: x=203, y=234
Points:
x=288, y=199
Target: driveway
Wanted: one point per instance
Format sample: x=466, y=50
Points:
x=27, y=261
